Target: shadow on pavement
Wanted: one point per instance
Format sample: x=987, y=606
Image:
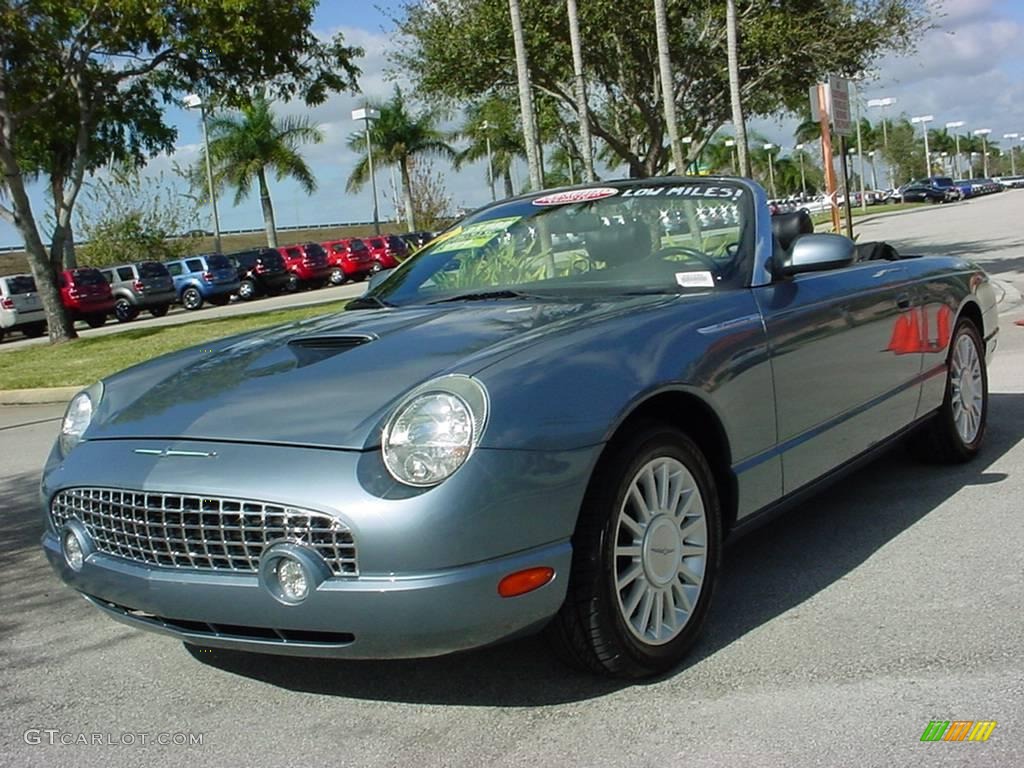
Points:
x=765, y=574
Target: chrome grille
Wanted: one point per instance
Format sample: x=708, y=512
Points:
x=202, y=532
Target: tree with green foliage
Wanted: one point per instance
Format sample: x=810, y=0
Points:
x=129, y=217
x=398, y=136
x=501, y=132
x=459, y=50
x=83, y=64
x=247, y=144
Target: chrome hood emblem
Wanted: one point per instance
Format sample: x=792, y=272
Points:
x=169, y=452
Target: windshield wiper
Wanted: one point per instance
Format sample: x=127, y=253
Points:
x=367, y=302
x=484, y=295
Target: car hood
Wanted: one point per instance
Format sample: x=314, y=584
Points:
x=330, y=381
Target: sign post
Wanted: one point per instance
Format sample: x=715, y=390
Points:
x=819, y=104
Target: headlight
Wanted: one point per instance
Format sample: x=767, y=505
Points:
x=434, y=430
x=78, y=416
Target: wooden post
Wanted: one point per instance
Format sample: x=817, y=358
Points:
x=826, y=156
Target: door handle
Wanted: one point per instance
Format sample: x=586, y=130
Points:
x=903, y=301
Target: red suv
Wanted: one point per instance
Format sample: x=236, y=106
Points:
x=350, y=259
x=307, y=263
x=86, y=294
x=387, y=251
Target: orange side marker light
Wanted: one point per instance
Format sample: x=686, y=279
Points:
x=521, y=582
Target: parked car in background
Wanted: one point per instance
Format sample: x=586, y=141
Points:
x=198, y=279
x=387, y=250
x=144, y=285
x=261, y=272
x=349, y=258
x=966, y=188
x=934, y=189
x=21, y=309
x=86, y=295
x=417, y=239
x=307, y=263
x=1010, y=182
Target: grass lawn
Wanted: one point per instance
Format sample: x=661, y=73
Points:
x=83, y=361
x=825, y=217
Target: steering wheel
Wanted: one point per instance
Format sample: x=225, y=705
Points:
x=700, y=256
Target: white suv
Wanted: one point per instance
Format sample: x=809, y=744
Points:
x=20, y=306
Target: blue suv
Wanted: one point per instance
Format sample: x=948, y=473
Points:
x=199, y=279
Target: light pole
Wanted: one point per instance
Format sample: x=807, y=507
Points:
x=924, y=120
x=366, y=114
x=771, y=168
x=882, y=103
x=485, y=126
x=194, y=101
x=732, y=143
x=1013, y=161
x=984, y=132
x=803, y=179
x=956, y=138
x=687, y=140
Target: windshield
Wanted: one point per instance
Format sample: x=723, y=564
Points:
x=641, y=238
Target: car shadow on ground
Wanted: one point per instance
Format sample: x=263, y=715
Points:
x=765, y=574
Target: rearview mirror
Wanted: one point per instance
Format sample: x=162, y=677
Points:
x=816, y=253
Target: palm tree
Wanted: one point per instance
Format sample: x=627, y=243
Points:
x=245, y=145
x=668, y=95
x=732, y=54
x=397, y=138
x=582, y=110
x=530, y=136
x=502, y=132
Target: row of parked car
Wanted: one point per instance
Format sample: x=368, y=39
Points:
x=127, y=290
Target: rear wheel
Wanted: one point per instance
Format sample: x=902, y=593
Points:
x=95, y=320
x=125, y=311
x=34, y=330
x=191, y=298
x=247, y=290
x=337, y=276
x=159, y=311
x=645, y=558
x=955, y=434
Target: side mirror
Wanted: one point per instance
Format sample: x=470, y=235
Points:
x=377, y=278
x=816, y=253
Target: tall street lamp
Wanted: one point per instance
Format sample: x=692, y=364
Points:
x=485, y=126
x=924, y=120
x=881, y=104
x=366, y=114
x=984, y=132
x=1013, y=161
x=732, y=143
x=194, y=101
x=771, y=168
x=687, y=140
x=803, y=180
x=956, y=137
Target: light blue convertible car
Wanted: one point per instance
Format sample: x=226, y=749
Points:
x=552, y=418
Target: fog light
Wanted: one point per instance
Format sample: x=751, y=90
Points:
x=291, y=577
x=73, y=553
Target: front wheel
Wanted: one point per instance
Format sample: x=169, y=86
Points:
x=292, y=284
x=34, y=330
x=645, y=558
x=97, y=320
x=159, y=311
x=191, y=298
x=337, y=276
x=956, y=431
x=247, y=290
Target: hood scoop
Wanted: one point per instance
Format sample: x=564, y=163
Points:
x=313, y=349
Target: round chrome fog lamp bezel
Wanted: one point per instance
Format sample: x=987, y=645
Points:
x=73, y=530
x=312, y=564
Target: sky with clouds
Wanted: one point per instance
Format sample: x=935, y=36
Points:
x=969, y=67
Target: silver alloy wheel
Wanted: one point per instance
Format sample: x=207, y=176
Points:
x=967, y=391
x=246, y=290
x=660, y=552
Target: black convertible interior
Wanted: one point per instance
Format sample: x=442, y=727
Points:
x=787, y=227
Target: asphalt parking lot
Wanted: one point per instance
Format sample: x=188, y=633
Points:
x=839, y=631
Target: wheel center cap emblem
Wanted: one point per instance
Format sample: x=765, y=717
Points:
x=662, y=550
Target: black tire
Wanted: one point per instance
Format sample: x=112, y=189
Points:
x=940, y=440
x=96, y=320
x=2, y=332
x=337, y=276
x=293, y=283
x=592, y=630
x=159, y=311
x=247, y=290
x=34, y=330
x=125, y=311
x=191, y=298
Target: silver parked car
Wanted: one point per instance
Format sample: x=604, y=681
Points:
x=21, y=309
x=140, y=286
x=503, y=436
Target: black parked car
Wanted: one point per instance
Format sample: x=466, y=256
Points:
x=261, y=272
x=934, y=189
x=417, y=239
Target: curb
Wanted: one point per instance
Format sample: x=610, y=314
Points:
x=41, y=396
